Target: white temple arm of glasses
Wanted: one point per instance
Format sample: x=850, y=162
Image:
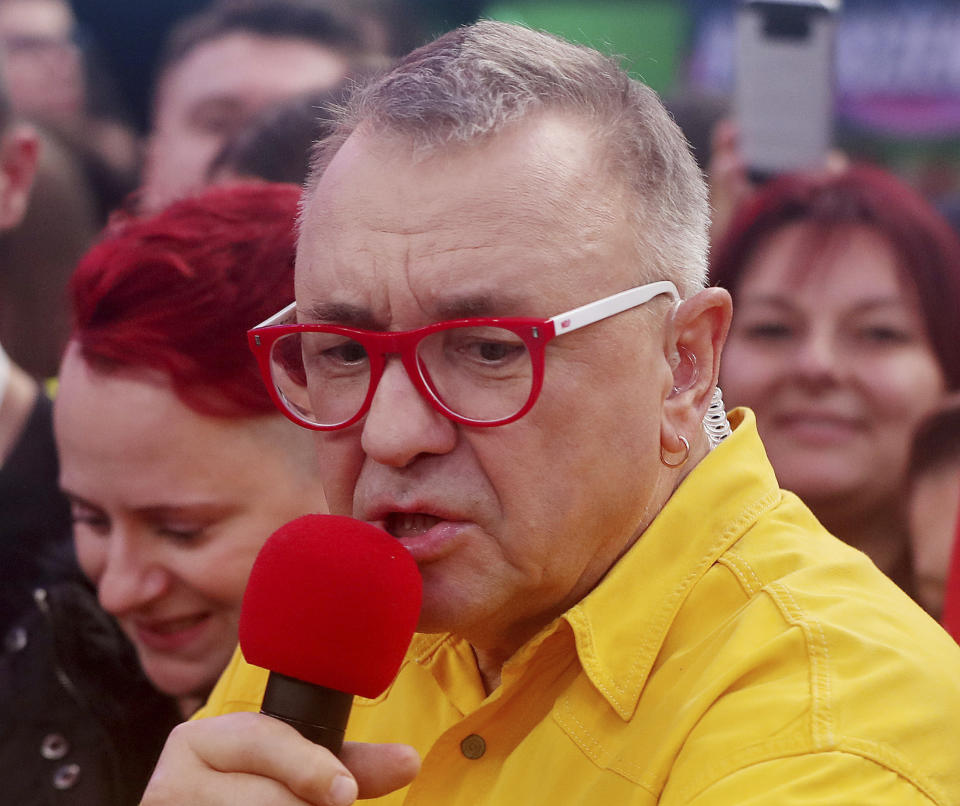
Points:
x=279, y=316
x=608, y=306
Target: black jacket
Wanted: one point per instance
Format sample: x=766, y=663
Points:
x=79, y=722
x=36, y=544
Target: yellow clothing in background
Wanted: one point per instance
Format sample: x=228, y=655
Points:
x=737, y=654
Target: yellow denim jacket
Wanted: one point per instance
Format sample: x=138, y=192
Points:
x=737, y=654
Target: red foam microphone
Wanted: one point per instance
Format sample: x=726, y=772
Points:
x=329, y=609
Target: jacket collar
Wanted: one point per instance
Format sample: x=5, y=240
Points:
x=713, y=506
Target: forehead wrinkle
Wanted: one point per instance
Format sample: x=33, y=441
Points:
x=462, y=233
x=527, y=235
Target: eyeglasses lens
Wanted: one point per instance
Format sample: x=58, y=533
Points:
x=481, y=373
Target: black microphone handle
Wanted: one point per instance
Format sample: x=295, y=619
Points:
x=319, y=713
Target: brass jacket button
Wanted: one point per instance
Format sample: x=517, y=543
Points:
x=473, y=746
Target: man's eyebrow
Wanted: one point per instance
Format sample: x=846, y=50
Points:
x=462, y=307
x=479, y=305
x=339, y=313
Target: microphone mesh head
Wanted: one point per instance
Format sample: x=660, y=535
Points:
x=332, y=601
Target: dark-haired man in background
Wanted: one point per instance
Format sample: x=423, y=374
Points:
x=223, y=65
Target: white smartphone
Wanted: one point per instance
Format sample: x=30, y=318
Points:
x=784, y=87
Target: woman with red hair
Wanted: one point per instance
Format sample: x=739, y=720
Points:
x=846, y=291
x=176, y=465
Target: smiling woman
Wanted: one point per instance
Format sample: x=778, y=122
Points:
x=846, y=294
x=158, y=398
x=163, y=532
x=176, y=464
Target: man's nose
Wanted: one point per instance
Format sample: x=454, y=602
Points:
x=132, y=577
x=400, y=424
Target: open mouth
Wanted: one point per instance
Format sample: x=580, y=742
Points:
x=408, y=524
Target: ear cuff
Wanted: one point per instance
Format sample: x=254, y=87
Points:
x=686, y=372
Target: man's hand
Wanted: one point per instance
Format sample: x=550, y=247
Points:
x=251, y=758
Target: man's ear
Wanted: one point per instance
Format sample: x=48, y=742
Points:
x=19, y=152
x=695, y=342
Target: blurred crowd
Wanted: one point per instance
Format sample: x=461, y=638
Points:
x=148, y=157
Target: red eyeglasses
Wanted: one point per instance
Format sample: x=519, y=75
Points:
x=482, y=371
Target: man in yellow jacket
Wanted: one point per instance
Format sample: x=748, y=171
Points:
x=620, y=604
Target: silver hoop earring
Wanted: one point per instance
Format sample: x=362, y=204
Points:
x=686, y=453
x=715, y=420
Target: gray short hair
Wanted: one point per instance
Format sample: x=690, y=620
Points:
x=475, y=80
